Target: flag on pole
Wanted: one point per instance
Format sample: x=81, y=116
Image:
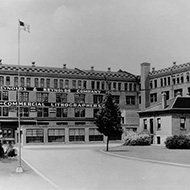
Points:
x=24, y=26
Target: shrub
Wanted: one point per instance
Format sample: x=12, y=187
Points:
x=178, y=142
x=135, y=139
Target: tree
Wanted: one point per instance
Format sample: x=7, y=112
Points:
x=108, y=119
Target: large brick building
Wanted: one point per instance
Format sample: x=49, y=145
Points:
x=163, y=113
x=59, y=104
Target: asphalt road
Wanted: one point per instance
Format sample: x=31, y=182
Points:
x=89, y=169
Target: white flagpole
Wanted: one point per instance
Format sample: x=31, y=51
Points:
x=19, y=169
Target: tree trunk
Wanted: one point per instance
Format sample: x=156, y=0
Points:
x=107, y=149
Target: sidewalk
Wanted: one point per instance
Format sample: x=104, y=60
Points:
x=28, y=180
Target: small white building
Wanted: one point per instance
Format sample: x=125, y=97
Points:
x=167, y=118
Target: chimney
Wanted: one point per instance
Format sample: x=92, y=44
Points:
x=109, y=69
x=164, y=102
x=153, y=69
x=174, y=63
x=33, y=63
x=64, y=66
x=92, y=68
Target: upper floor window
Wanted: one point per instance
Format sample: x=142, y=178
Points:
x=79, y=112
x=66, y=83
x=47, y=83
x=84, y=84
x=24, y=97
x=187, y=76
x=119, y=86
x=178, y=79
x=15, y=81
x=79, y=98
x=61, y=97
x=126, y=86
x=109, y=85
x=8, y=80
x=98, y=85
x=145, y=123
x=55, y=83
x=74, y=83
x=114, y=85
x=155, y=83
x=151, y=85
x=42, y=112
x=92, y=85
x=36, y=82
x=42, y=82
x=103, y=85
x=24, y=112
x=161, y=82
x=130, y=87
x=61, y=83
x=61, y=112
x=22, y=81
x=79, y=84
x=165, y=82
x=1, y=80
x=135, y=87
x=182, y=79
x=97, y=99
x=28, y=82
x=153, y=97
x=116, y=98
x=4, y=95
x=168, y=80
x=41, y=97
x=130, y=100
x=178, y=92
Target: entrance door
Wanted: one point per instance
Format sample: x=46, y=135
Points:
x=151, y=130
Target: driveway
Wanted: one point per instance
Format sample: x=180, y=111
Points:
x=86, y=168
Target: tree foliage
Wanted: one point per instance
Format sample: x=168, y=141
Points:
x=108, y=119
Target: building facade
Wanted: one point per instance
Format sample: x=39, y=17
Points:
x=58, y=105
x=160, y=90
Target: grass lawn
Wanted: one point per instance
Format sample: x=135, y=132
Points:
x=154, y=152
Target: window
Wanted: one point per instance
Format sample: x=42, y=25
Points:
x=84, y=84
x=61, y=83
x=135, y=87
x=79, y=112
x=55, y=83
x=4, y=95
x=79, y=98
x=130, y=87
x=153, y=97
x=74, y=83
x=56, y=135
x=7, y=80
x=92, y=85
x=130, y=100
x=41, y=97
x=182, y=123
x=116, y=98
x=119, y=86
x=114, y=86
x=161, y=82
x=28, y=82
x=24, y=112
x=34, y=135
x=5, y=111
x=98, y=85
x=24, y=97
x=167, y=94
x=168, y=80
x=95, y=135
x=145, y=123
x=79, y=84
x=103, y=85
x=7, y=133
x=178, y=92
x=155, y=83
x=187, y=76
x=95, y=112
x=61, y=97
x=97, y=99
x=47, y=83
x=173, y=79
x=182, y=79
x=151, y=85
x=126, y=86
x=178, y=80
x=109, y=85
x=42, y=83
x=66, y=83
x=61, y=112
x=36, y=82
x=158, y=124
x=1, y=80
x=76, y=134
x=42, y=112
x=22, y=81
x=165, y=82
x=15, y=81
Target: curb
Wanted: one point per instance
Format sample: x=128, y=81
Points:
x=146, y=160
x=43, y=176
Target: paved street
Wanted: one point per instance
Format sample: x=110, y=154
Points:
x=81, y=168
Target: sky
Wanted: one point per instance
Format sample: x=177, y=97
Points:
x=120, y=34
